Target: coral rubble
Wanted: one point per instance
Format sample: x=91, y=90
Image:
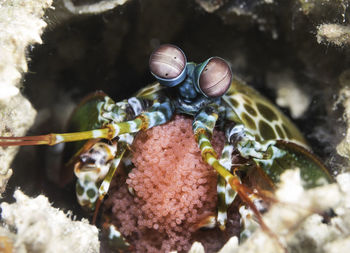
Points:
x=21, y=25
x=41, y=228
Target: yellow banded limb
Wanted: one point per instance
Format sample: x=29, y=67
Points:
x=209, y=156
x=158, y=114
x=53, y=139
x=104, y=187
x=109, y=132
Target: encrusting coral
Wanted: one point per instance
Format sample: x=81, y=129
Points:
x=173, y=189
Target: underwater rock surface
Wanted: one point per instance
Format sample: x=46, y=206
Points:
x=42, y=228
x=21, y=26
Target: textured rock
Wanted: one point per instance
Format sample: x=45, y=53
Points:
x=21, y=25
x=336, y=34
x=41, y=228
x=296, y=223
x=92, y=8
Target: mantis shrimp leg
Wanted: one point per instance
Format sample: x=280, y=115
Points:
x=104, y=187
x=203, y=126
x=225, y=193
x=122, y=147
x=157, y=114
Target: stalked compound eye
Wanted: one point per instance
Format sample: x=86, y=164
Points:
x=215, y=77
x=167, y=63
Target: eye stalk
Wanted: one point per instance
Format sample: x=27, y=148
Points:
x=168, y=64
x=213, y=77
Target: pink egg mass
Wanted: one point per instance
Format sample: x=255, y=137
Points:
x=173, y=189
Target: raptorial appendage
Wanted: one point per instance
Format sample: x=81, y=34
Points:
x=203, y=125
